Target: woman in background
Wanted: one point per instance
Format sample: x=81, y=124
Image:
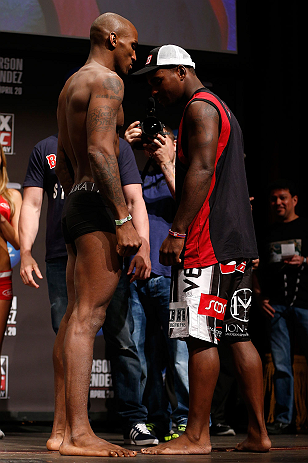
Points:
x=10, y=204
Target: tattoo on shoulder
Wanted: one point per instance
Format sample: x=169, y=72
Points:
x=209, y=111
x=102, y=119
x=204, y=113
x=102, y=96
x=113, y=84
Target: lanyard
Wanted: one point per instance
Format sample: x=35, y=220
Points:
x=285, y=278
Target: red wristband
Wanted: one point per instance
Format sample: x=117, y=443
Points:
x=176, y=234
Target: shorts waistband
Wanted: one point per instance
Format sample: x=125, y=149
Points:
x=84, y=186
x=6, y=274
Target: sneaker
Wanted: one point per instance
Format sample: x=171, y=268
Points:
x=1, y=434
x=140, y=435
x=179, y=430
x=221, y=429
x=158, y=432
x=278, y=428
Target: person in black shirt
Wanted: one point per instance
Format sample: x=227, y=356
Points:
x=283, y=294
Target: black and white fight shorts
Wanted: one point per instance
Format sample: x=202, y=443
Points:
x=211, y=302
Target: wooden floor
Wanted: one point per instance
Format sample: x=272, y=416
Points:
x=29, y=447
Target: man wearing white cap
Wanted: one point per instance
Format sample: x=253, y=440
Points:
x=211, y=245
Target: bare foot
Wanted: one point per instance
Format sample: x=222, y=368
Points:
x=93, y=446
x=262, y=444
x=180, y=446
x=55, y=441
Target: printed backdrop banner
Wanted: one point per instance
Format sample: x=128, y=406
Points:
x=30, y=83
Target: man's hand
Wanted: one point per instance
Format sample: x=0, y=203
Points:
x=170, y=250
x=133, y=133
x=27, y=266
x=294, y=260
x=141, y=263
x=267, y=309
x=128, y=240
x=158, y=150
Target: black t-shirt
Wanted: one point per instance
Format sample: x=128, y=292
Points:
x=41, y=173
x=284, y=283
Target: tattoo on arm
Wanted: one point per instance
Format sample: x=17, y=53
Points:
x=204, y=113
x=102, y=119
x=112, y=84
x=105, y=171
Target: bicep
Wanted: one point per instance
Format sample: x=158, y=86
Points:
x=102, y=115
x=202, y=135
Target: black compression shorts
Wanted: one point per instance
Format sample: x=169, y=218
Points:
x=85, y=212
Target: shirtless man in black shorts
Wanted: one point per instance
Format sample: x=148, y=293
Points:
x=96, y=224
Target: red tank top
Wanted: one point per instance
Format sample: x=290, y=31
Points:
x=223, y=228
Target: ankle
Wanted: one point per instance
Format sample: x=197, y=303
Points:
x=198, y=435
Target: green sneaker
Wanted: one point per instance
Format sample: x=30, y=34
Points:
x=158, y=433
x=181, y=428
x=169, y=436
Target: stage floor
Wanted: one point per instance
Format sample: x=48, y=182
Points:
x=29, y=447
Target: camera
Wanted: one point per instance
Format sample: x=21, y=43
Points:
x=151, y=126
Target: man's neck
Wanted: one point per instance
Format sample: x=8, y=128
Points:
x=290, y=218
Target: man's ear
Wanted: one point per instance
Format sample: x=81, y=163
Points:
x=181, y=71
x=113, y=39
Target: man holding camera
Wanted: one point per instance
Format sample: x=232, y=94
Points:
x=149, y=300
x=211, y=245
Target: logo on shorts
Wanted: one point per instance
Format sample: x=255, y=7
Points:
x=241, y=267
x=232, y=266
x=240, y=304
x=7, y=292
x=213, y=306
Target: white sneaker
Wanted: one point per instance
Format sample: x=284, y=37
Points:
x=1, y=434
x=140, y=435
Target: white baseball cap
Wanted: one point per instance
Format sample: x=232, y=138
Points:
x=166, y=55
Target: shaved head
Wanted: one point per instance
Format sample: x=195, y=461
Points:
x=106, y=23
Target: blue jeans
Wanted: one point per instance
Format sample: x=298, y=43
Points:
x=283, y=325
x=180, y=375
x=56, y=281
x=149, y=302
x=125, y=364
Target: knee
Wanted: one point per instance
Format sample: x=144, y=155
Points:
x=88, y=320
